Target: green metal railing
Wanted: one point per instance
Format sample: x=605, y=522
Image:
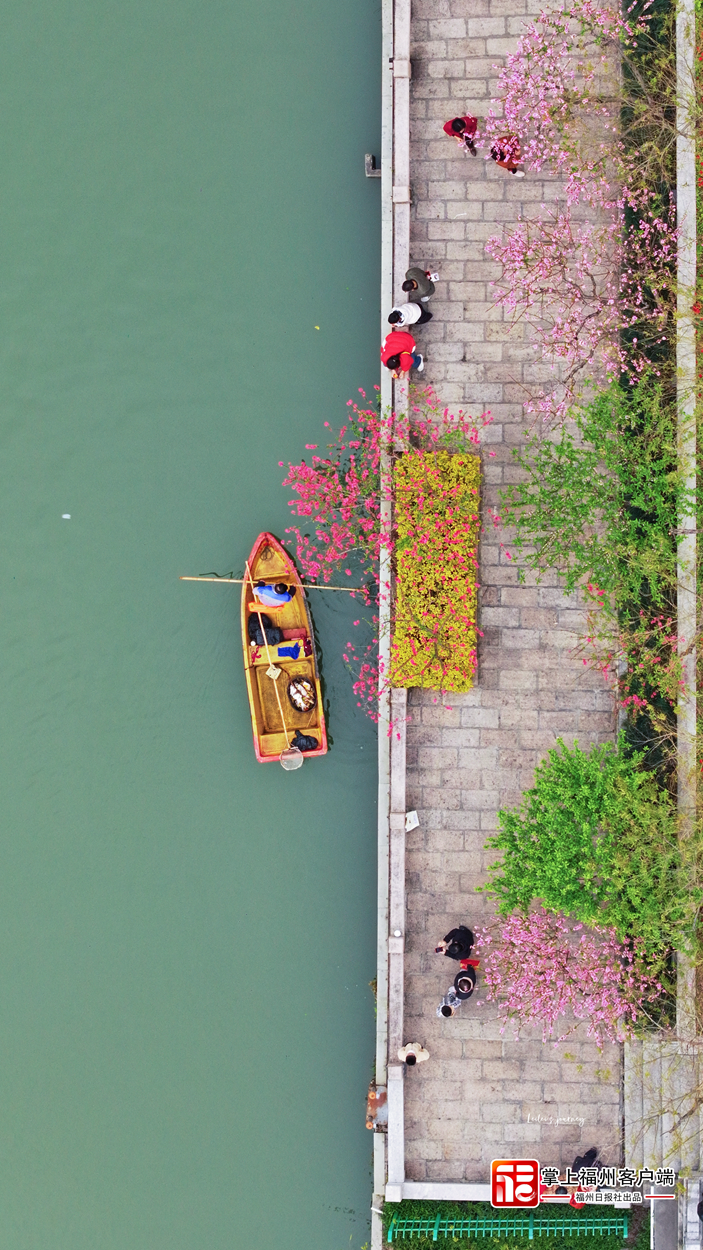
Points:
x=403, y=1228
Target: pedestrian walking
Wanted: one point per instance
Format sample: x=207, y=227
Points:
x=506, y=153
x=465, y=983
x=410, y=314
x=457, y=944
x=463, y=130
x=399, y=353
x=419, y=284
x=412, y=1053
x=450, y=1004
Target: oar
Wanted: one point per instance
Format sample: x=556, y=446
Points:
x=240, y=581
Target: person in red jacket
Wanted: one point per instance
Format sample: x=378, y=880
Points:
x=506, y=153
x=399, y=353
x=463, y=130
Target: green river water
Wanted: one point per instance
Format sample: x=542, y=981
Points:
x=186, y=937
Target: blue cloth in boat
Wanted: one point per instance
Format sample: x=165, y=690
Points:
x=270, y=597
x=293, y=651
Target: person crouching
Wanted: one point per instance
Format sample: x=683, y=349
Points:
x=410, y=314
x=463, y=129
x=399, y=353
x=506, y=153
x=419, y=284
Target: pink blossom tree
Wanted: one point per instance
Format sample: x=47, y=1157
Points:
x=542, y=969
x=337, y=506
x=593, y=275
x=595, y=295
x=562, y=91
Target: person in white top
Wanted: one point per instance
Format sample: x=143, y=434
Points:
x=412, y=1053
x=450, y=1004
x=409, y=315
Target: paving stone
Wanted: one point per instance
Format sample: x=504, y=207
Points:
x=482, y=1091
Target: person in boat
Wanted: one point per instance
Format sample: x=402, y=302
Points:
x=458, y=943
x=399, y=353
x=419, y=284
x=409, y=314
x=463, y=130
x=273, y=596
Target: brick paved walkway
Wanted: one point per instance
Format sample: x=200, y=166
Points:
x=480, y=1096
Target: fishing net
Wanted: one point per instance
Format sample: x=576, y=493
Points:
x=291, y=759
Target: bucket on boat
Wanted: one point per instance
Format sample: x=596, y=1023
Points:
x=291, y=759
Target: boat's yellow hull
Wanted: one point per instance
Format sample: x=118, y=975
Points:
x=274, y=718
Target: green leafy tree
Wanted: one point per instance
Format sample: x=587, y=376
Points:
x=596, y=838
x=599, y=501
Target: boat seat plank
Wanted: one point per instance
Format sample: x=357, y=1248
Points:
x=269, y=703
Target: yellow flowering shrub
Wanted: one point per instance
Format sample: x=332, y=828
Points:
x=436, y=502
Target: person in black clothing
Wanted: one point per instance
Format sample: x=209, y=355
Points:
x=457, y=944
x=585, y=1161
x=589, y=1160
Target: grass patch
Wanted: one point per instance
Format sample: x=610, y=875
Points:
x=638, y=1227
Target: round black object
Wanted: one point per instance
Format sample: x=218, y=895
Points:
x=465, y=983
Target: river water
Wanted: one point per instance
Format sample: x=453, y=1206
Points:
x=186, y=937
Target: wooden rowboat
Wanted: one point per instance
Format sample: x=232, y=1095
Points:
x=275, y=718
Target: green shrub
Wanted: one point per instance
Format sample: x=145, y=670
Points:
x=601, y=504
x=597, y=838
x=638, y=1221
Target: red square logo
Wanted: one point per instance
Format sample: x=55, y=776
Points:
x=514, y=1183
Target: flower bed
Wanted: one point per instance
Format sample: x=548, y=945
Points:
x=436, y=498
x=338, y=509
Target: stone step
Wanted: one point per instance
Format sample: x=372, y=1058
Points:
x=661, y=1111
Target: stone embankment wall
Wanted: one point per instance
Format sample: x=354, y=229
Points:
x=482, y=1095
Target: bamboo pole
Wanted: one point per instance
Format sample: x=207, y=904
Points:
x=239, y=581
